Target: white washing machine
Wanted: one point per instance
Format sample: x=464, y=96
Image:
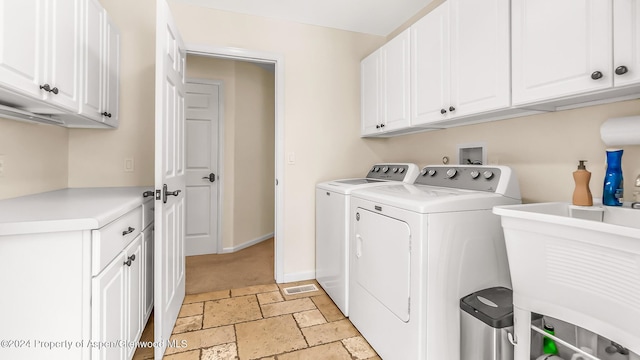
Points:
x=417, y=249
x=332, y=230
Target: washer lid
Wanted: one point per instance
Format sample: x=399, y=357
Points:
x=346, y=186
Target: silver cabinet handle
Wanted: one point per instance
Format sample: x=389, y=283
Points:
x=128, y=231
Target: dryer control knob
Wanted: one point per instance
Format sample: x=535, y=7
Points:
x=488, y=174
x=401, y=170
x=451, y=173
x=475, y=174
x=376, y=169
x=431, y=172
x=385, y=169
x=423, y=172
x=395, y=169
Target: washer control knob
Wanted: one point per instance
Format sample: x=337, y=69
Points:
x=451, y=173
x=376, y=169
x=423, y=172
x=401, y=170
x=475, y=174
x=431, y=172
x=385, y=169
x=395, y=170
x=488, y=174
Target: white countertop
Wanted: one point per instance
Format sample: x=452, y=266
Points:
x=68, y=209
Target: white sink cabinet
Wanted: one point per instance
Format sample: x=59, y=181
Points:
x=75, y=270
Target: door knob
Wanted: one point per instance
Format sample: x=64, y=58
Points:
x=211, y=177
x=167, y=193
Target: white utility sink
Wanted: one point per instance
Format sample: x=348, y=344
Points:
x=577, y=264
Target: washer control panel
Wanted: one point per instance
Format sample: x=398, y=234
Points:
x=469, y=177
x=395, y=172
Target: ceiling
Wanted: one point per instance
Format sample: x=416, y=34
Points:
x=376, y=17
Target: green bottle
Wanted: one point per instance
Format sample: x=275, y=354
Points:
x=548, y=345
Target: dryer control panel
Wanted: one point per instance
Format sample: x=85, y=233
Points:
x=397, y=172
x=468, y=177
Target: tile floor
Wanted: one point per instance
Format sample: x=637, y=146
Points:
x=261, y=322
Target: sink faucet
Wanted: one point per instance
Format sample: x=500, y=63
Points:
x=616, y=348
x=636, y=203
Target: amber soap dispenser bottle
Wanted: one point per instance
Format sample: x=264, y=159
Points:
x=582, y=195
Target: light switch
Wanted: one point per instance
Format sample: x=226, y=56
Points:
x=128, y=165
x=291, y=158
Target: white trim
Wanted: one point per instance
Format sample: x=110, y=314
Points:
x=300, y=276
x=220, y=152
x=247, y=244
x=278, y=61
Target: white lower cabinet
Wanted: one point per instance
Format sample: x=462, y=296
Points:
x=79, y=268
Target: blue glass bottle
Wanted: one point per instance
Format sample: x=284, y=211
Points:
x=613, y=189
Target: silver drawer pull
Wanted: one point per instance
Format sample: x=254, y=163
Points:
x=128, y=231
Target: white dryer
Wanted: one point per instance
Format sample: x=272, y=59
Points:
x=332, y=230
x=417, y=249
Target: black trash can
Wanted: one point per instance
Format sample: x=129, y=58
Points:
x=486, y=319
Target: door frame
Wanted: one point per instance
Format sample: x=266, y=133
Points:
x=233, y=53
x=220, y=152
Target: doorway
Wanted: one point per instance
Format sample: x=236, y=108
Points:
x=274, y=181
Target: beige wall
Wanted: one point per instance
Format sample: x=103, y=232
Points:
x=248, y=173
x=35, y=158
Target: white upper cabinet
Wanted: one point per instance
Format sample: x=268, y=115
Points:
x=100, y=98
x=40, y=52
x=111, y=98
x=60, y=58
x=568, y=49
x=385, y=86
x=460, y=61
x=626, y=43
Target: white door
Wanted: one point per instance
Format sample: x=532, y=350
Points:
x=169, y=177
x=395, y=82
x=430, y=67
x=202, y=120
x=560, y=48
x=480, y=56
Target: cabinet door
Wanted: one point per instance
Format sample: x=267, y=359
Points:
x=369, y=94
x=93, y=55
x=21, y=44
x=134, y=293
x=480, y=56
x=626, y=44
x=112, y=75
x=558, y=46
x=108, y=309
x=430, y=67
x=63, y=53
x=395, y=82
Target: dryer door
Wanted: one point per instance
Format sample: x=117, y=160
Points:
x=382, y=260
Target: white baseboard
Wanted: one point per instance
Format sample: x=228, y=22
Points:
x=247, y=244
x=300, y=276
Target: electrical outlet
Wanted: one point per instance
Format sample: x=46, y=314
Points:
x=129, y=165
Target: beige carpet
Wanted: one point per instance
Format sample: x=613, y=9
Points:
x=247, y=267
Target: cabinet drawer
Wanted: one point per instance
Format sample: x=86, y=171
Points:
x=111, y=239
x=147, y=213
